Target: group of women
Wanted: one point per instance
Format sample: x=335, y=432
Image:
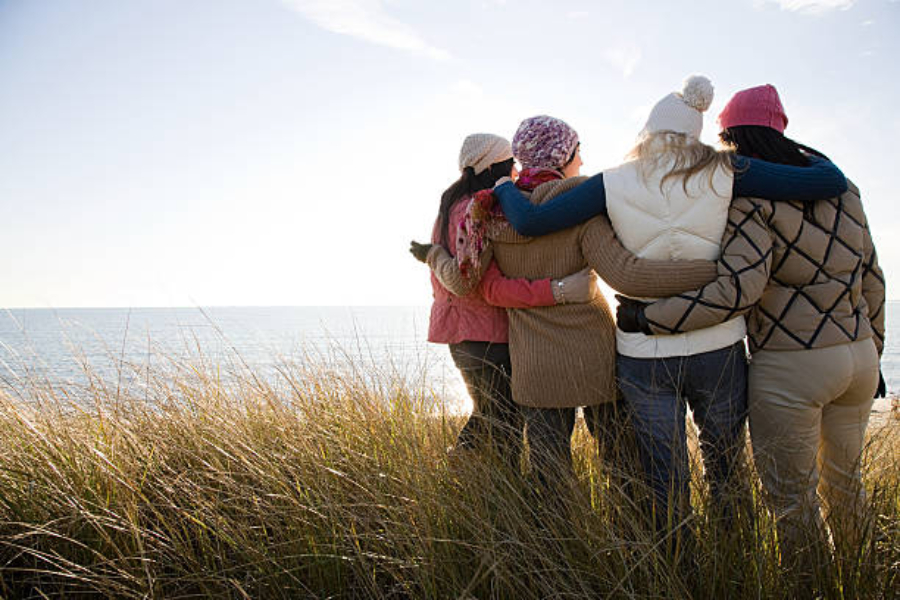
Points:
x=764, y=240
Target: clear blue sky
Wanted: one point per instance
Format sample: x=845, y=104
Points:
x=262, y=152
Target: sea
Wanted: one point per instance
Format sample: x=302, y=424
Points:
x=66, y=346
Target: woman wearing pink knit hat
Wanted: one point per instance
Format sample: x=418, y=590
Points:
x=806, y=277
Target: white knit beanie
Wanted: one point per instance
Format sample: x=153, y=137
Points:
x=682, y=113
x=481, y=150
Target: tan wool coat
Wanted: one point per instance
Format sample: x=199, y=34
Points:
x=802, y=283
x=564, y=355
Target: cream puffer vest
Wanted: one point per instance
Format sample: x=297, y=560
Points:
x=669, y=223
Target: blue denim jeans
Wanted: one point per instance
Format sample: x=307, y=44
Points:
x=657, y=390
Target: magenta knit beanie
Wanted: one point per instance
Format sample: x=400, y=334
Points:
x=544, y=142
x=755, y=106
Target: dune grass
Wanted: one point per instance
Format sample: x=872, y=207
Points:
x=326, y=484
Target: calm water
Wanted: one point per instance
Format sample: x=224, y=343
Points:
x=54, y=344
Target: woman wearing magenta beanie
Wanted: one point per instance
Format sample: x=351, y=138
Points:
x=806, y=277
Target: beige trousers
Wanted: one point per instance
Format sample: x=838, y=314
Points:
x=808, y=415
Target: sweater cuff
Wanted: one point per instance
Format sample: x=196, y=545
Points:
x=501, y=181
x=432, y=256
x=545, y=294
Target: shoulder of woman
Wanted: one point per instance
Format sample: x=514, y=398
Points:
x=554, y=188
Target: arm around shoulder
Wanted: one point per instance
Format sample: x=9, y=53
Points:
x=743, y=272
x=446, y=269
x=635, y=276
x=761, y=179
x=568, y=209
x=499, y=290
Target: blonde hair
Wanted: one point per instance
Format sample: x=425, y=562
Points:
x=689, y=156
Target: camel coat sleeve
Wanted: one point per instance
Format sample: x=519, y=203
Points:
x=635, y=276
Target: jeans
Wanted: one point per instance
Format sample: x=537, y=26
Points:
x=656, y=391
x=496, y=423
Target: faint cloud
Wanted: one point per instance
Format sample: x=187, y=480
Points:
x=867, y=53
x=623, y=58
x=577, y=14
x=468, y=89
x=366, y=20
x=868, y=23
x=813, y=7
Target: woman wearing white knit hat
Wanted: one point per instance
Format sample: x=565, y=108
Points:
x=670, y=201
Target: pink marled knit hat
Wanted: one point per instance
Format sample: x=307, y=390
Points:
x=545, y=142
x=755, y=106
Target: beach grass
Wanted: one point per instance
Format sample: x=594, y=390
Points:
x=205, y=481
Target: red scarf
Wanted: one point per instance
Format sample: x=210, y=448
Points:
x=484, y=219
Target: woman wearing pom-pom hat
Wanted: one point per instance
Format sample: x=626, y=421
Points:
x=670, y=201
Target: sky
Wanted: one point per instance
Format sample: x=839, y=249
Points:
x=284, y=152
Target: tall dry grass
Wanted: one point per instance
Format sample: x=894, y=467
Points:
x=323, y=484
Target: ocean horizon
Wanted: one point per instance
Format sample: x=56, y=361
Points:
x=61, y=345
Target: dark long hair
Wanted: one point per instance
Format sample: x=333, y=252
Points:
x=756, y=141
x=467, y=184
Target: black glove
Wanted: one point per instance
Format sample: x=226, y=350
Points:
x=420, y=251
x=630, y=316
x=881, y=392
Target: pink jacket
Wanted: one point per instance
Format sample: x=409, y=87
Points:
x=480, y=316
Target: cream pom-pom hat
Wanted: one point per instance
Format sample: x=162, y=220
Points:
x=682, y=112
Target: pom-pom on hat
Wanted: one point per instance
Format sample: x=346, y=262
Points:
x=758, y=105
x=544, y=142
x=682, y=112
x=481, y=150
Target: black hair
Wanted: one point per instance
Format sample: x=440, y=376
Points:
x=757, y=141
x=768, y=144
x=467, y=184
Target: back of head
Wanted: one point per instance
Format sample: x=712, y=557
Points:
x=671, y=135
x=480, y=150
x=483, y=159
x=758, y=106
x=753, y=124
x=682, y=112
x=544, y=142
